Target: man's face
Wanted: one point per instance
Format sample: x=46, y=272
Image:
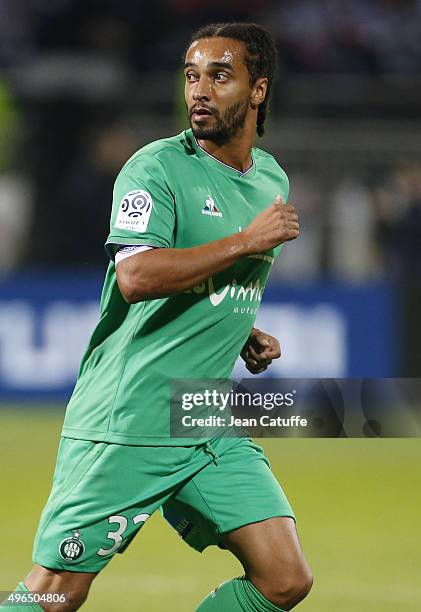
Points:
x=217, y=88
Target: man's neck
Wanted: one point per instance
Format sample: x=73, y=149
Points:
x=235, y=153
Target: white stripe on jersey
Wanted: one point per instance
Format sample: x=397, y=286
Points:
x=129, y=250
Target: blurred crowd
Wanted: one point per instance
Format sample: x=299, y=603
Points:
x=374, y=36
x=359, y=36
x=361, y=229
x=79, y=81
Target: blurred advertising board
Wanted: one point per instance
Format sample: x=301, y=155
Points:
x=325, y=330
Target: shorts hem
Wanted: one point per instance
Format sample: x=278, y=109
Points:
x=256, y=519
x=236, y=525
x=57, y=565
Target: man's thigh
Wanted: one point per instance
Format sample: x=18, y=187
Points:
x=237, y=488
x=102, y=495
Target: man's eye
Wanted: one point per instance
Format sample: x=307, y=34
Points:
x=190, y=76
x=220, y=76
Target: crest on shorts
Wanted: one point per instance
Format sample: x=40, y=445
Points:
x=72, y=548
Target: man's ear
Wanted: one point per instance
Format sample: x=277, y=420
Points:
x=259, y=91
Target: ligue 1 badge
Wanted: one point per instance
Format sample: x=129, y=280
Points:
x=72, y=548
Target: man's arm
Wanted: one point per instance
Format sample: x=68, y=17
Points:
x=163, y=272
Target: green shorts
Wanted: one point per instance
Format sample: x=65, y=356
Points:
x=103, y=493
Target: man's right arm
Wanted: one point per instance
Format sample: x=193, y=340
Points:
x=162, y=272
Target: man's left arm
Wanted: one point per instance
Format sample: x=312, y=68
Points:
x=259, y=351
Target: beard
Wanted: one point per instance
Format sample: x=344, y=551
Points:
x=224, y=126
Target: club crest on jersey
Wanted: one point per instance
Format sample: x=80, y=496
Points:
x=210, y=208
x=134, y=211
x=71, y=549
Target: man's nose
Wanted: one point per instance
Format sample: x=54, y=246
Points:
x=202, y=90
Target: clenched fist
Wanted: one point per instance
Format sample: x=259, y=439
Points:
x=272, y=227
x=259, y=350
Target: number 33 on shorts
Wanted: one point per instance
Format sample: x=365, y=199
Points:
x=117, y=534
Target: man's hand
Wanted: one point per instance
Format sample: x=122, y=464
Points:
x=259, y=350
x=275, y=225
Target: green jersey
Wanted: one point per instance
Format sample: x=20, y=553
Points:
x=172, y=194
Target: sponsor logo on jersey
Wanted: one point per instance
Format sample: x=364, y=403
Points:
x=245, y=299
x=252, y=292
x=134, y=211
x=71, y=549
x=210, y=208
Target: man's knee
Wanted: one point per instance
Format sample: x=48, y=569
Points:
x=74, y=585
x=273, y=560
x=285, y=586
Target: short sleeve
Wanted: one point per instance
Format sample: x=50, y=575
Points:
x=143, y=206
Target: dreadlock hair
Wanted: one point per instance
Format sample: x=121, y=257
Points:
x=260, y=56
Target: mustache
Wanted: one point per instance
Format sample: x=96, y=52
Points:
x=211, y=109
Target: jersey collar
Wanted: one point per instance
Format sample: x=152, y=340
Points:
x=218, y=164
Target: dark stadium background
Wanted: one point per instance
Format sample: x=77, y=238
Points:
x=83, y=84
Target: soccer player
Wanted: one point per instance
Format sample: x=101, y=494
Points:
x=197, y=220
